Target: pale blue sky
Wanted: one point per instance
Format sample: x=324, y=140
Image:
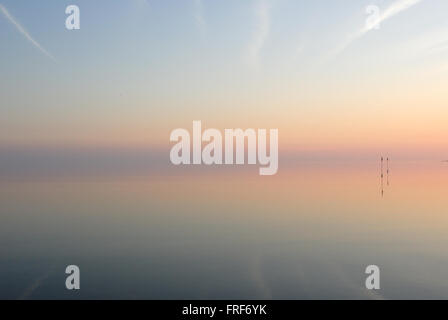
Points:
x=139, y=64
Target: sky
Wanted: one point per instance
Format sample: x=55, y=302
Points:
x=137, y=69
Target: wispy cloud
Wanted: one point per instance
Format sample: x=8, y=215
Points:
x=23, y=31
x=394, y=9
x=262, y=12
x=439, y=47
x=35, y=284
x=199, y=15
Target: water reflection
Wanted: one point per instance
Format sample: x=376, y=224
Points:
x=388, y=171
x=382, y=175
x=308, y=232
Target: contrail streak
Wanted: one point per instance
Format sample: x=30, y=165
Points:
x=394, y=9
x=263, y=26
x=23, y=31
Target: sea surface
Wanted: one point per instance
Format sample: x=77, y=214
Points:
x=308, y=232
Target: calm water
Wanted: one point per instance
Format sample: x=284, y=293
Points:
x=308, y=232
